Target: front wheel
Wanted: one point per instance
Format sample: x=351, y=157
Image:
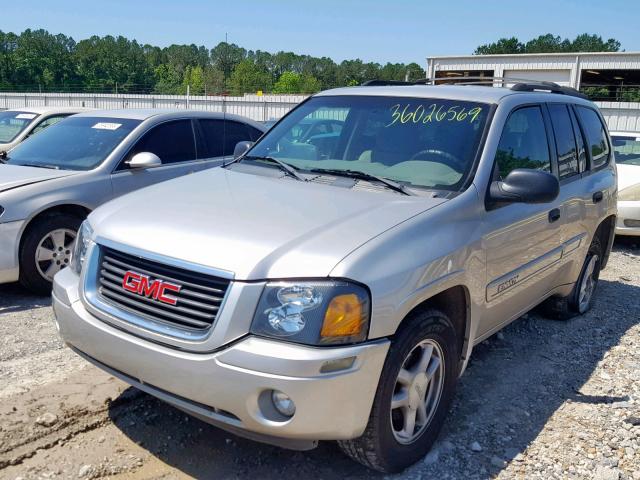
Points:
x=414, y=392
x=46, y=249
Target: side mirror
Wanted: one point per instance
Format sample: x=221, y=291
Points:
x=241, y=148
x=144, y=160
x=3, y=154
x=524, y=185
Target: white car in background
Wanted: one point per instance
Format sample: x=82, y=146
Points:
x=626, y=146
x=20, y=123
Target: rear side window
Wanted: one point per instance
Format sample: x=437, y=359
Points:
x=235, y=132
x=47, y=123
x=221, y=139
x=172, y=141
x=523, y=143
x=596, y=136
x=565, y=141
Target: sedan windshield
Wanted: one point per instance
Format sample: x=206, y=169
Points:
x=75, y=143
x=12, y=123
x=421, y=142
x=627, y=149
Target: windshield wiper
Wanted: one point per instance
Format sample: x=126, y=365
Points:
x=364, y=176
x=284, y=166
x=39, y=165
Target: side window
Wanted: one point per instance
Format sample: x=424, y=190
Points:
x=596, y=136
x=254, y=133
x=523, y=143
x=172, y=141
x=213, y=133
x=235, y=132
x=565, y=141
x=582, y=151
x=47, y=122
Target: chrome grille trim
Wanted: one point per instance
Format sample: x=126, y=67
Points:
x=198, y=303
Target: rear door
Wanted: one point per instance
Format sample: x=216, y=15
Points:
x=217, y=139
x=174, y=142
x=575, y=199
x=523, y=242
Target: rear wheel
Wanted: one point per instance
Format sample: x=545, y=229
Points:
x=414, y=392
x=46, y=249
x=580, y=299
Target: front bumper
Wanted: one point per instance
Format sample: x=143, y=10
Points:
x=231, y=387
x=9, y=246
x=628, y=212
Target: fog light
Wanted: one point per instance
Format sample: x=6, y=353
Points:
x=283, y=404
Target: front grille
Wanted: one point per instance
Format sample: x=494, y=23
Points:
x=197, y=302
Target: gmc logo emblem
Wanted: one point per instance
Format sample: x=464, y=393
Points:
x=140, y=284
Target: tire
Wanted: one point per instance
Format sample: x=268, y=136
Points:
x=381, y=446
x=564, y=308
x=46, y=235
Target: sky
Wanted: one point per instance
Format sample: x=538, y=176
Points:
x=374, y=30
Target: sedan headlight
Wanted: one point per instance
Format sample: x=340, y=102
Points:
x=313, y=312
x=630, y=194
x=83, y=241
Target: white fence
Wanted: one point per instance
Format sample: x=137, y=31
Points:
x=260, y=108
x=619, y=115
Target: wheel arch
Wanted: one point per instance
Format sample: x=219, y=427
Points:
x=606, y=233
x=455, y=303
x=74, y=209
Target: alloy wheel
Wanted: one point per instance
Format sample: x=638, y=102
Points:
x=417, y=391
x=54, y=252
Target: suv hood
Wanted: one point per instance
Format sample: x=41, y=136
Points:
x=255, y=227
x=13, y=176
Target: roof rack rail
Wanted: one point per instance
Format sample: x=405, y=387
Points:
x=519, y=84
x=382, y=83
x=548, y=87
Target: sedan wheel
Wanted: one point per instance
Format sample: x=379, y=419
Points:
x=54, y=252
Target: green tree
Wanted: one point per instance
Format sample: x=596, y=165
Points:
x=594, y=43
x=226, y=57
x=248, y=77
x=289, y=82
x=549, y=43
x=167, y=80
x=194, y=78
x=504, y=45
x=108, y=61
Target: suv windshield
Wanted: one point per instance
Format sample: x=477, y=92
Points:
x=75, y=143
x=627, y=149
x=422, y=142
x=12, y=123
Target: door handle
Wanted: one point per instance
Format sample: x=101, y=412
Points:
x=554, y=215
x=597, y=197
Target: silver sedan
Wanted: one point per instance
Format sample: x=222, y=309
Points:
x=50, y=182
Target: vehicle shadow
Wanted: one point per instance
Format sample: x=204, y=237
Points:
x=15, y=298
x=514, y=383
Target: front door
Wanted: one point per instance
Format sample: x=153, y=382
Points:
x=174, y=143
x=523, y=242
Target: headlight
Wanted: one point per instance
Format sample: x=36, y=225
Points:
x=313, y=312
x=630, y=194
x=83, y=240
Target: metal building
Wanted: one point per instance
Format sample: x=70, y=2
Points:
x=611, y=79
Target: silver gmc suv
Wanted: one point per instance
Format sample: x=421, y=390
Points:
x=332, y=286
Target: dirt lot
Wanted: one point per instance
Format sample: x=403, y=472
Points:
x=542, y=399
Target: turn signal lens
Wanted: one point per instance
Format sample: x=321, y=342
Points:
x=343, y=317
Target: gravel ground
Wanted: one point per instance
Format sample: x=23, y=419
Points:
x=541, y=399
